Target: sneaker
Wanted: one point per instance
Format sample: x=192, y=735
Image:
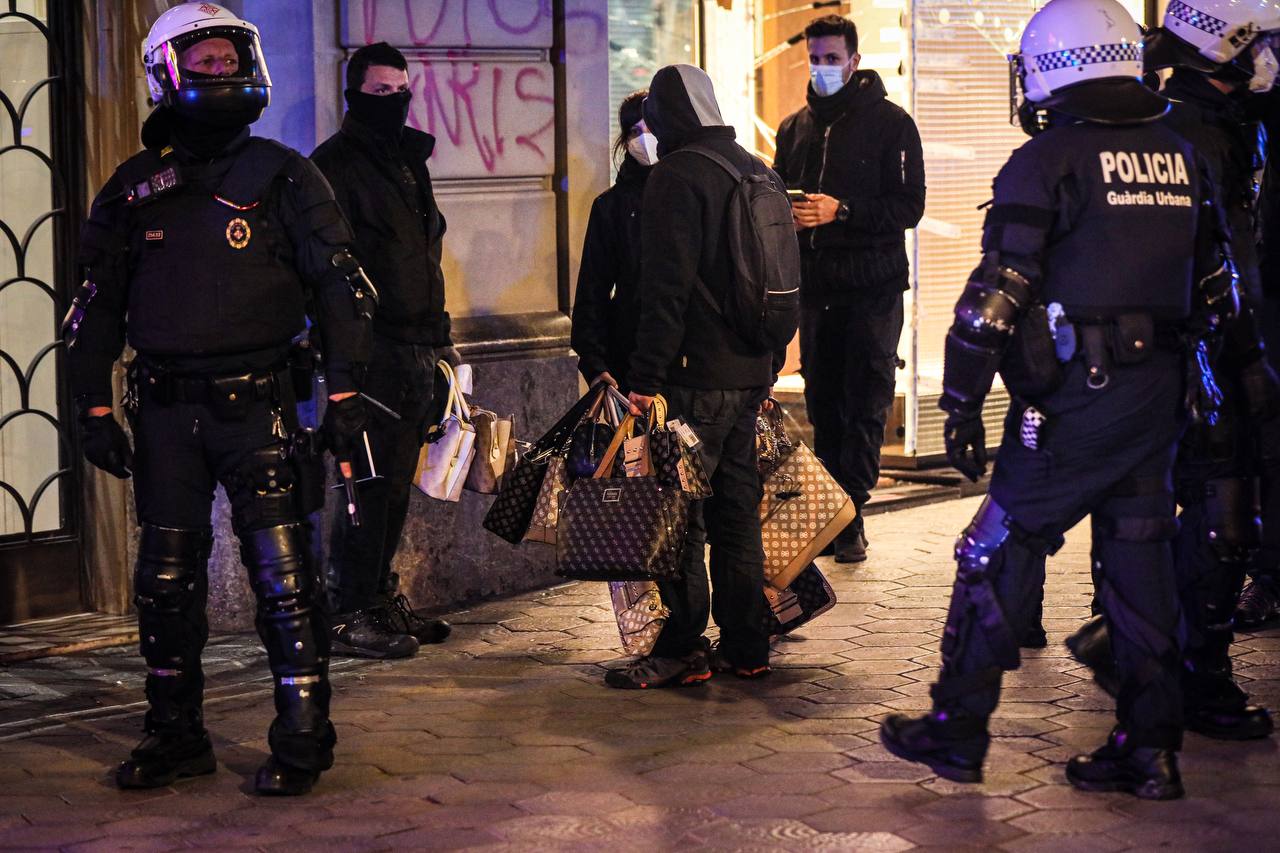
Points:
x=851, y=546
x=653, y=672
x=1259, y=604
x=719, y=662
x=366, y=634
x=952, y=747
x=1145, y=772
x=404, y=619
x=160, y=760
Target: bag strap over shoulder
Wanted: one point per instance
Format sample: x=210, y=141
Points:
x=717, y=158
x=256, y=166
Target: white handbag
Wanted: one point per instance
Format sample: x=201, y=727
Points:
x=443, y=465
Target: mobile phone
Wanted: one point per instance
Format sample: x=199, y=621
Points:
x=794, y=196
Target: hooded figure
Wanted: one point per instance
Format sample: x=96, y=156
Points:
x=712, y=379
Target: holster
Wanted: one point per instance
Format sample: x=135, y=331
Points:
x=1030, y=366
x=306, y=456
x=1132, y=338
x=302, y=369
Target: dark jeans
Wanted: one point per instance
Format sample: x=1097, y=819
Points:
x=1108, y=454
x=400, y=377
x=848, y=356
x=725, y=421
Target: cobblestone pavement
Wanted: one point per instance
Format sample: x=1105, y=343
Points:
x=504, y=738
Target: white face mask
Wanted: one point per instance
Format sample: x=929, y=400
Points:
x=644, y=148
x=827, y=79
x=1265, y=67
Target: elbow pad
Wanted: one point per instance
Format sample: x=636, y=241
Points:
x=1219, y=294
x=988, y=310
x=364, y=294
x=75, y=314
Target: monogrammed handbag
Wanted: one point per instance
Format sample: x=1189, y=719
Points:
x=641, y=614
x=802, y=512
x=621, y=528
x=510, y=515
x=808, y=597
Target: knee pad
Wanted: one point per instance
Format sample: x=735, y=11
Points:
x=263, y=490
x=283, y=579
x=1233, y=510
x=171, y=563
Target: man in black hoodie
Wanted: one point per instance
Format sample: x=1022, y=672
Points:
x=378, y=170
x=711, y=378
x=857, y=157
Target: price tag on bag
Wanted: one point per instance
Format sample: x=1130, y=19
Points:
x=686, y=433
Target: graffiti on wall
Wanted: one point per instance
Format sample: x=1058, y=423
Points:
x=449, y=23
x=489, y=118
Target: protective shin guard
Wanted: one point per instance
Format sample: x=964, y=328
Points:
x=297, y=644
x=170, y=589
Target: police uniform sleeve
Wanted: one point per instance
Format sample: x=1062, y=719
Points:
x=94, y=329
x=1016, y=231
x=321, y=239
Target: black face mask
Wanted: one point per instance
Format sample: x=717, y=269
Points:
x=383, y=114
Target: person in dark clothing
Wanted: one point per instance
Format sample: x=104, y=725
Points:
x=1099, y=399
x=1224, y=467
x=710, y=377
x=606, y=305
x=858, y=159
x=378, y=170
x=204, y=252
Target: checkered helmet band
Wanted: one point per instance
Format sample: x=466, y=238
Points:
x=1200, y=20
x=1091, y=55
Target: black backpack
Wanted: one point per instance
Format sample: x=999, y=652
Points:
x=763, y=305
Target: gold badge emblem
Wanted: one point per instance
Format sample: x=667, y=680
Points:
x=238, y=233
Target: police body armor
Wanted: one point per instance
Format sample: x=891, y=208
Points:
x=210, y=267
x=1139, y=184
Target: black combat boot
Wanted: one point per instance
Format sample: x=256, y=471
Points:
x=370, y=634
x=851, y=544
x=1215, y=706
x=1091, y=646
x=1034, y=637
x=162, y=758
x=1146, y=772
x=277, y=779
x=1259, y=604
x=951, y=744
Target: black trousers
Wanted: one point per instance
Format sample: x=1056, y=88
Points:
x=1108, y=454
x=848, y=355
x=182, y=452
x=400, y=377
x=725, y=421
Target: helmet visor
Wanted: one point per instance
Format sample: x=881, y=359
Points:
x=212, y=57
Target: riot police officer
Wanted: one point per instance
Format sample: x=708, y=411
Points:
x=203, y=252
x=1221, y=52
x=1086, y=333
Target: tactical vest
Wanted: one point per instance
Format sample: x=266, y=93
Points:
x=1125, y=232
x=211, y=270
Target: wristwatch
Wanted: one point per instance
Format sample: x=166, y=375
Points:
x=842, y=212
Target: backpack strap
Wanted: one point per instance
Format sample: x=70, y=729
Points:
x=717, y=158
x=255, y=168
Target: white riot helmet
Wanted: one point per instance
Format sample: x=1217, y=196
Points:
x=206, y=63
x=1083, y=58
x=1234, y=39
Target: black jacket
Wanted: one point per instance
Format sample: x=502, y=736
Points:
x=207, y=288
x=606, y=304
x=385, y=190
x=1222, y=132
x=681, y=339
x=860, y=148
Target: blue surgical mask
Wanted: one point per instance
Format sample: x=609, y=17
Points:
x=827, y=79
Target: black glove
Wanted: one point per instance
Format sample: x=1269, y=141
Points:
x=966, y=439
x=106, y=445
x=450, y=355
x=1203, y=397
x=344, y=421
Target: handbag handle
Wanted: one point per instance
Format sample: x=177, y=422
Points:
x=455, y=401
x=624, y=432
x=563, y=428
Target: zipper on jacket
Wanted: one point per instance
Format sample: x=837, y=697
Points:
x=822, y=170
